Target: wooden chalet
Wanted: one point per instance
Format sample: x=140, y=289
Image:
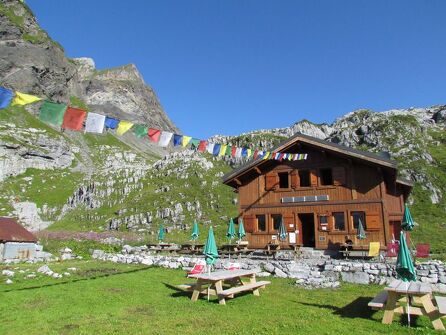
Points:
x=320, y=199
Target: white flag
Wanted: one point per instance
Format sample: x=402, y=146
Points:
x=165, y=138
x=95, y=123
x=238, y=152
x=210, y=148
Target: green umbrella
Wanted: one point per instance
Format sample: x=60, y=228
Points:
x=230, y=234
x=404, y=268
x=241, y=230
x=282, y=231
x=210, y=249
x=161, y=233
x=407, y=224
x=361, y=232
x=195, y=232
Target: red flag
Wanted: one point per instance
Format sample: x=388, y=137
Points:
x=281, y=156
x=154, y=134
x=233, y=151
x=202, y=145
x=74, y=118
x=255, y=154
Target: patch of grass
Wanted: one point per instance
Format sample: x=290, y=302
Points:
x=78, y=103
x=8, y=11
x=82, y=248
x=137, y=300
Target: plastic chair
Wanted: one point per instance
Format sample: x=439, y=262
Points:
x=423, y=250
x=392, y=249
x=199, y=267
x=374, y=249
x=232, y=266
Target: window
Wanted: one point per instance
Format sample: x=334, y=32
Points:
x=277, y=219
x=326, y=177
x=304, y=177
x=339, y=220
x=358, y=216
x=323, y=219
x=261, y=222
x=283, y=180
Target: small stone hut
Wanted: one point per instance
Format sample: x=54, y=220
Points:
x=15, y=241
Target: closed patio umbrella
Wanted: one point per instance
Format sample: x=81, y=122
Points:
x=361, y=232
x=210, y=249
x=230, y=233
x=407, y=223
x=241, y=230
x=195, y=232
x=282, y=231
x=404, y=267
x=161, y=233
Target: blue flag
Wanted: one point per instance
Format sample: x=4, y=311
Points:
x=5, y=97
x=216, y=150
x=177, y=140
x=244, y=152
x=111, y=123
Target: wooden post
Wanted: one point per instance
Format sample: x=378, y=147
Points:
x=389, y=310
x=218, y=290
x=432, y=312
x=252, y=279
x=197, y=290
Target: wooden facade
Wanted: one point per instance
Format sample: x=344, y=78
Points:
x=320, y=199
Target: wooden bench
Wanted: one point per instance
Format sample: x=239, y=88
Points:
x=379, y=301
x=441, y=304
x=243, y=288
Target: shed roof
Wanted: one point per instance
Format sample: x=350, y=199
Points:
x=316, y=142
x=11, y=231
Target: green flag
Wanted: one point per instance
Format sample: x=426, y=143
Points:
x=194, y=143
x=210, y=249
x=228, y=150
x=52, y=112
x=140, y=130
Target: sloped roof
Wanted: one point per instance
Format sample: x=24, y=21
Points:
x=313, y=141
x=11, y=231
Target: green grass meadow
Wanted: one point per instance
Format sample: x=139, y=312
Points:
x=106, y=298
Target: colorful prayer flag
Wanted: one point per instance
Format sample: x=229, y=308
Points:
x=95, y=123
x=123, y=127
x=5, y=97
x=186, y=140
x=111, y=123
x=248, y=152
x=234, y=151
x=266, y=155
x=210, y=147
x=22, y=99
x=140, y=130
x=177, y=140
x=238, y=153
x=74, y=118
x=244, y=152
x=222, y=150
x=228, y=150
x=202, y=146
x=165, y=138
x=52, y=112
x=154, y=134
x=256, y=153
x=216, y=150
x=194, y=142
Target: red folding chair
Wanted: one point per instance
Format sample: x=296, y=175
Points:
x=423, y=250
x=199, y=267
x=392, y=249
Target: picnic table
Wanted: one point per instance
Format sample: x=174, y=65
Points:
x=273, y=248
x=159, y=247
x=224, y=284
x=191, y=248
x=395, y=298
x=234, y=248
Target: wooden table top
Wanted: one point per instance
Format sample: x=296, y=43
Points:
x=411, y=288
x=223, y=275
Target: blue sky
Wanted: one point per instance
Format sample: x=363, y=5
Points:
x=227, y=67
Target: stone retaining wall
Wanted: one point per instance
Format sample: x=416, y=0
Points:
x=308, y=272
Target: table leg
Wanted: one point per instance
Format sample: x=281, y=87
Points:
x=197, y=290
x=432, y=312
x=389, y=310
x=219, y=289
x=252, y=279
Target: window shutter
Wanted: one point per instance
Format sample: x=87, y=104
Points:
x=249, y=221
x=295, y=182
x=331, y=222
x=288, y=219
x=271, y=181
x=372, y=221
x=313, y=177
x=339, y=175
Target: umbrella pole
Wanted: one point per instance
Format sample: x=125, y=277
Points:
x=209, y=272
x=408, y=305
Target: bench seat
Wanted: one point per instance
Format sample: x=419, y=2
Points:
x=246, y=287
x=441, y=304
x=379, y=301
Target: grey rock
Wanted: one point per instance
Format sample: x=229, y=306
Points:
x=355, y=277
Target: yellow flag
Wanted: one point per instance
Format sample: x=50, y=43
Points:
x=248, y=153
x=222, y=150
x=123, y=127
x=186, y=140
x=24, y=99
x=266, y=155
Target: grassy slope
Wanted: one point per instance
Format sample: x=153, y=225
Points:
x=104, y=298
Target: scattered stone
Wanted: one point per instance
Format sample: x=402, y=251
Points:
x=8, y=281
x=8, y=273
